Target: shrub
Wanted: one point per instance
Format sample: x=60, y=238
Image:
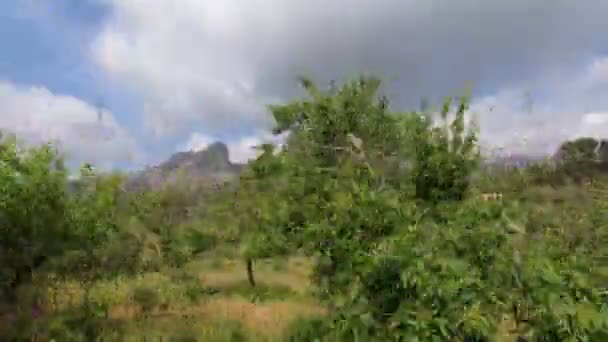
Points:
x=407, y=253
x=309, y=329
x=148, y=298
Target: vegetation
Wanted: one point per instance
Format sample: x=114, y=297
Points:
x=369, y=225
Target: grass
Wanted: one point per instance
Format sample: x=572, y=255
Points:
x=223, y=308
x=294, y=274
x=226, y=308
x=183, y=330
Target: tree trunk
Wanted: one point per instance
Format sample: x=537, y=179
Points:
x=23, y=275
x=250, y=275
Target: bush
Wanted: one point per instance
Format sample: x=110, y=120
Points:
x=384, y=202
x=408, y=253
x=310, y=329
x=148, y=298
x=383, y=287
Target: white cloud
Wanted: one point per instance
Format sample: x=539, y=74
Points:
x=592, y=119
x=506, y=125
x=597, y=73
x=572, y=107
x=594, y=125
x=190, y=65
x=197, y=142
x=218, y=63
x=514, y=119
x=37, y=115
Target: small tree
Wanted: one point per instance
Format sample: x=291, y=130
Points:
x=578, y=160
x=46, y=225
x=578, y=150
x=259, y=238
x=443, y=158
x=341, y=158
x=35, y=223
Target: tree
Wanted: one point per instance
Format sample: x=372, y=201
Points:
x=443, y=158
x=50, y=228
x=388, y=268
x=35, y=223
x=255, y=194
x=577, y=159
x=343, y=149
x=578, y=150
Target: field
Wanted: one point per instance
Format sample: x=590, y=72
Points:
x=218, y=306
x=330, y=239
x=211, y=300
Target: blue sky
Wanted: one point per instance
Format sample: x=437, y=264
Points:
x=49, y=49
x=39, y=48
x=178, y=75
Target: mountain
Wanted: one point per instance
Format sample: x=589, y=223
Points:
x=516, y=160
x=209, y=166
x=513, y=161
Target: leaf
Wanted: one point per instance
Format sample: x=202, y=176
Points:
x=549, y=276
x=367, y=320
x=588, y=316
x=457, y=266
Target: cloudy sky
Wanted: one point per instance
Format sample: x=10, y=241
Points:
x=172, y=75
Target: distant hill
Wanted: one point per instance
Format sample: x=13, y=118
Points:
x=515, y=160
x=209, y=166
x=212, y=166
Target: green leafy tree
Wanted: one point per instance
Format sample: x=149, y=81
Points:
x=342, y=150
x=258, y=236
x=578, y=150
x=406, y=254
x=35, y=224
x=443, y=158
x=581, y=160
x=46, y=226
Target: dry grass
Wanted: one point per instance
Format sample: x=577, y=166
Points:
x=508, y=331
x=210, y=316
x=269, y=318
x=295, y=275
x=262, y=319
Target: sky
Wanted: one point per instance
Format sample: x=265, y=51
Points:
x=177, y=75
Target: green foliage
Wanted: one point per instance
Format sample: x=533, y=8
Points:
x=383, y=202
x=343, y=145
x=146, y=297
x=94, y=218
x=78, y=324
x=579, y=150
x=310, y=329
x=344, y=162
x=34, y=207
x=406, y=253
x=443, y=157
x=581, y=159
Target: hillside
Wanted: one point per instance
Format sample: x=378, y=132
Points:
x=342, y=248
x=211, y=166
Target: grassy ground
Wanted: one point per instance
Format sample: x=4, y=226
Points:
x=209, y=299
